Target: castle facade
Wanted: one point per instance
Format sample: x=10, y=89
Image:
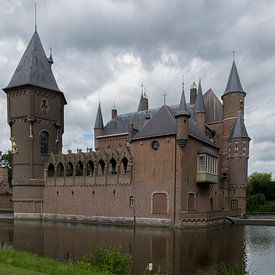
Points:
x=177, y=165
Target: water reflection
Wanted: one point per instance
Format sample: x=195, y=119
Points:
x=175, y=251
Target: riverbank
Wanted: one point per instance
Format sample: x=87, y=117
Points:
x=17, y=262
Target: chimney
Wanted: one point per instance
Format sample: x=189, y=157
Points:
x=193, y=93
x=114, y=113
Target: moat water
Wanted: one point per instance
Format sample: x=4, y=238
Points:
x=192, y=251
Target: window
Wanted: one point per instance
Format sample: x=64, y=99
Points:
x=131, y=201
x=236, y=148
x=124, y=167
x=191, y=202
x=60, y=170
x=101, y=168
x=207, y=164
x=160, y=203
x=155, y=145
x=234, y=204
x=112, y=167
x=244, y=148
x=50, y=170
x=79, y=169
x=90, y=168
x=44, y=142
x=69, y=170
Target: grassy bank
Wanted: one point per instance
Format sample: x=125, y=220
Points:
x=17, y=262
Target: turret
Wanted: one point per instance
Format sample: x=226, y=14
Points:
x=143, y=102
x=182, y=119
x=238, y=154
x=233, y=102
x=36, y=120
x=199, y=110
x=233, y=97
x=193, y=93
x=99, y=127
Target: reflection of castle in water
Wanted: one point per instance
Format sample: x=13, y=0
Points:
x=178, y=251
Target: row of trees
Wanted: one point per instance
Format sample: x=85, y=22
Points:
x=260, y=193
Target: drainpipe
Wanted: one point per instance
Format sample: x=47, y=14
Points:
x=175, y=180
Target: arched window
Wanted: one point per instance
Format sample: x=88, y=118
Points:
x=69, y=170
x=131, y=201
x=101, y=168
x=124, y=165
x=90, y=168
x=60, y=170
x=50, y=170
x=160, y=203
x=112, y=167
x=44, y=142
x=79, y=169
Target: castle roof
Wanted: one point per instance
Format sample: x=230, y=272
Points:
x=34, y=68
x=161, y=124
x=239, y=129
x=99, y=119
x=233, y=83
x=199, y=104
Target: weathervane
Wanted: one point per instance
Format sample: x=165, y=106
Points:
x=35, y=25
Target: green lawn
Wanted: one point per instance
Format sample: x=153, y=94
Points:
x=16, y=262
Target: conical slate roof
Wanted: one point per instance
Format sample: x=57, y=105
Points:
x=34, y=68
x=99, y=119
x=233, y=83
x=199, y=104
x=239, y=130
x=183, y=111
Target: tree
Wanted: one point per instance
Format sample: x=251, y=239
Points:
x=261, y=183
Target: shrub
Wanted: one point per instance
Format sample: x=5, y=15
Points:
x=231, y=269
x=110, y=259
x=255, y=201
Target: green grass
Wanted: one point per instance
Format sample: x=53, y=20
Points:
x=17, y=262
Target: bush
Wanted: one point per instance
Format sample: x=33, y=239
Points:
x=110, y=259
x=227, y=269
x=254, y=202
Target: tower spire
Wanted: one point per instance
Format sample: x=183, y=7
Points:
x=199, y=105
x=233, y=83
x=183, y=111
x=99, y=119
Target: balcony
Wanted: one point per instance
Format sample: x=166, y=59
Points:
x=204, y=177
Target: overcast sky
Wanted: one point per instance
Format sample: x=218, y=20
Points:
x=106, y=49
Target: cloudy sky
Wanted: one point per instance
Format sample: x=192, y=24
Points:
x=106, y=49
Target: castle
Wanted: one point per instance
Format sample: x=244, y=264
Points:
x=175, y=165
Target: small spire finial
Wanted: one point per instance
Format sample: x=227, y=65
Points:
x=114, y=104
x=233, y=55
x=35, y=25
x=164, y=97
x=183, y=81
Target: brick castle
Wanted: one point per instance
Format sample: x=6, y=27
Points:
x=177, y=165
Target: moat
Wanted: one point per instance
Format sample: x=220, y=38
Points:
x=187, y=251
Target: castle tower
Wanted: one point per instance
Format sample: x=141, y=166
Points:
x=233, y=102
x=36, y=119
x=98, y=128
x=199, y=110
x=182, y=119
x=238, y=154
